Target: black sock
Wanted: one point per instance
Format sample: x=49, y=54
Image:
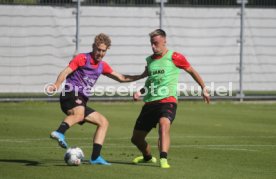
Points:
x=96, y=151
x=63, y=127
x=147, y=157
x=163, y=154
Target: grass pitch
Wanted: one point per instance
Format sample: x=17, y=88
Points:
x=220, y=140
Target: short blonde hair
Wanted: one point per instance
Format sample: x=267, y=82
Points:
x=102, y=39
x=157, y=32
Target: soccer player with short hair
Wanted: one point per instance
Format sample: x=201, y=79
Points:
x=81, y=75
x=163, y=68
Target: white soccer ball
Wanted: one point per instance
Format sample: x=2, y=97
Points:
x=74, y=156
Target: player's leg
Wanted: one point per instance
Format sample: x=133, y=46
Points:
x=164, y=134
x=164, y=141
x=138, y=139
x=145, y=122
x=73, y=106
x=75, y=116
x=102, y=125
x=99, y=136
x=168, y=112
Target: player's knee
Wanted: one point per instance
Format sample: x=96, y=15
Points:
x=103, y=122
x=134, y=140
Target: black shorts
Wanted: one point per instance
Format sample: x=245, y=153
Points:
x=70, y=100
x=151, y=114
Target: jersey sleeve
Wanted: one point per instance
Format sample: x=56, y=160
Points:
x=77, y=61
x=180, y=61
x=106, y=68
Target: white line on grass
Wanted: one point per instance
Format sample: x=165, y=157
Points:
x=226, y=147
x=230, y=147
x=22, y=140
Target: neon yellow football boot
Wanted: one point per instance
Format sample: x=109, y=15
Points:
x=140, y=159
x=164, y=163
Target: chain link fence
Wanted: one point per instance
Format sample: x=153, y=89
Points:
x=172, y=3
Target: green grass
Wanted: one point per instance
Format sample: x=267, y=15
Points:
x=220, y=140
x=107, y=94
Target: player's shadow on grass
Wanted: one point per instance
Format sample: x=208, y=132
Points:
x=57, y=163
x=130, y=163
x=26, y=162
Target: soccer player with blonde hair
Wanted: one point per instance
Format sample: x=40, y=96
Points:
x=81, y=75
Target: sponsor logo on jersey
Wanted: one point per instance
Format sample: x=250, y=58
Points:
x=78, y=101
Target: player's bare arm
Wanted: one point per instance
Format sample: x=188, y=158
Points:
x=126, y=78
x=61, y=77
x=199, y=80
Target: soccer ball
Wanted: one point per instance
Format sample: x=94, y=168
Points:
x=74, y=156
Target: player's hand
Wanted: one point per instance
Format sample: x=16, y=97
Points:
x=206, y=95
x=50, y=89
x=136, y=96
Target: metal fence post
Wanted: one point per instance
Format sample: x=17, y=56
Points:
x=162, y=2
x=161, y=14
x=77, y=35
x=242, y=2
x=78, y=26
